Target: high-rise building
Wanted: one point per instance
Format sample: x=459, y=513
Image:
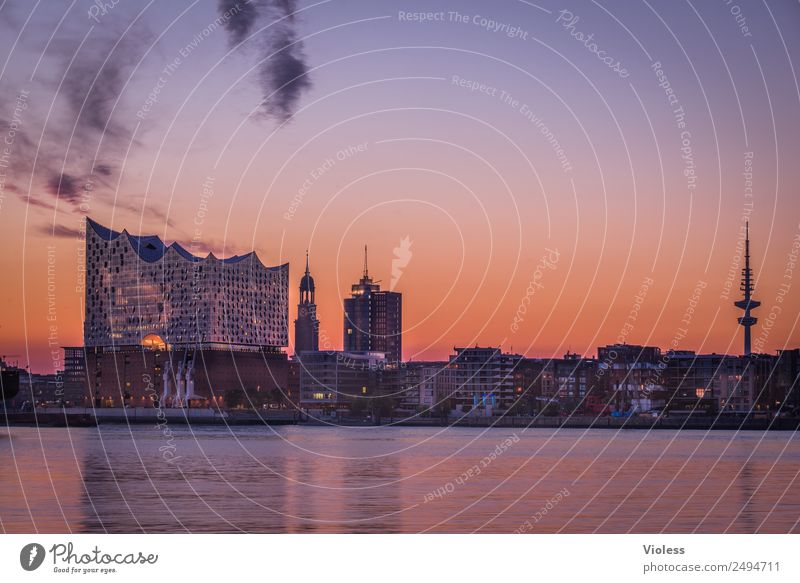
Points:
x=373, y=319
x=306, y=326
x=163, y=326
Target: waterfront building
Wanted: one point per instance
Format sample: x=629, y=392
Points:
x=293, y=383
x=421, y=381
x=628, y=375
x=19, y=386
x=9, y=387
x=339, y=381
x=75, y=376
x=479, y=381
x=165, y=327
x=533, y=380
x=157, y=375
x=373, y=319
x=785, y=395
x=138, y=287
x=765, y=374
x=572, y=377
x=9, y=383
x=41, y=389
x=703, y=383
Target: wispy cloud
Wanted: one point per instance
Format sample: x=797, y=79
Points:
x=283, y=70
x=59, y=231
x=79, y=140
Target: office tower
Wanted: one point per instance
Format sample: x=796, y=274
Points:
x=373, y=319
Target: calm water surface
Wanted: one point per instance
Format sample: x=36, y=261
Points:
x=387, y=479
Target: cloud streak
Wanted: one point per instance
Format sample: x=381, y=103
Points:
x=59, y=154
x=59, y=231
x=92, y=85
x=282, y=70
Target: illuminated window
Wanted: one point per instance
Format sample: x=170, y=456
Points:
x=700, y=393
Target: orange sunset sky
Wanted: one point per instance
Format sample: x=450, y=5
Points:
x=488, y=151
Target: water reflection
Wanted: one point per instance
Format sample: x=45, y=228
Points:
x=306, y=479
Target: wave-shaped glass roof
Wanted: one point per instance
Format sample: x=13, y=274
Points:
x=151, y=248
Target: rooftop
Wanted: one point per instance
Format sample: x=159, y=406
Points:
x=151, y=248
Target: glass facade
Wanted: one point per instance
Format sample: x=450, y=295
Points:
x=137, y=287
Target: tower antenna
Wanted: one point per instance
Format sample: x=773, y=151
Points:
x=747, y=304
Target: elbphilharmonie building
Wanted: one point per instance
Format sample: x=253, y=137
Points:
x=164, y=327
x=137, y=286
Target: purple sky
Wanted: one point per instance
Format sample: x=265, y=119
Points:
x=486, y=133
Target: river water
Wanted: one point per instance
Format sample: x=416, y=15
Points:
x=392, y=479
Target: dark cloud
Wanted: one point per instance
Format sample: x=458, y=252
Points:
x=283, y=71
x=242, y=16
x=87, y=132
x=94, y=115
x=65, y=187
x=284, y=76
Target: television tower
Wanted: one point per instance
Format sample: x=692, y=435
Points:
x=747, y=304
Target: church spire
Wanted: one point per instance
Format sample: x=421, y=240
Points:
x=306, y=326
x=307, y=284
